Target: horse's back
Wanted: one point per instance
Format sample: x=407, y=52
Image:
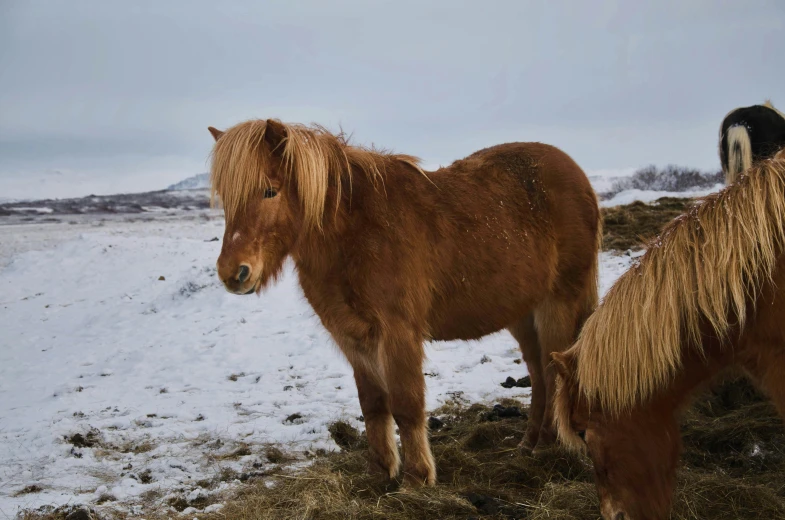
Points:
x=539, y=172
x=526, y=226
x=573, y=211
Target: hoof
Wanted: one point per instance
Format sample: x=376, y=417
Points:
x=542, y=451
x=411, y=481
x=381, y=474
x=376, y=469
x=525, y=447
x=424, y=475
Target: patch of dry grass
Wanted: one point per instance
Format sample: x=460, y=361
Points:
x=733, y=467
x=482, y=475
x=632, y=225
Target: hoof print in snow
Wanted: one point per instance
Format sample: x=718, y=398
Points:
x=293, y=417
x=274, y=456
x=105, y=498
x=214, y=239
x=88, y=440
x=180, y=504
x=145, y=477
x=485, y=359
x=434, y=423
x=344, y=434
x=199, y=417
x=33, y=488
x=189, y=288
x=287, y=388
x=235, y=377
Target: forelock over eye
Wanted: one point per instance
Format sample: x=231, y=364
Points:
x=270, y=193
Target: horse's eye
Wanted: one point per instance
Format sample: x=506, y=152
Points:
x=582, y=435
x=269, y=193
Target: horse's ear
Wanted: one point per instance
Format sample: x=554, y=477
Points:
x=275, y=134
x=215, y=132
x=562, y=361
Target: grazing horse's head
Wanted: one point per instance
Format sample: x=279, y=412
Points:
x=264, y=215
x=635, y=453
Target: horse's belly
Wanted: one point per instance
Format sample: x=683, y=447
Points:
x=467, y=319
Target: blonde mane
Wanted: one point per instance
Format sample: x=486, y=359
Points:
x=705, y=267
x=311, y=157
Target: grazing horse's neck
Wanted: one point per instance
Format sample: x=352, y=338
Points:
x=696, y=372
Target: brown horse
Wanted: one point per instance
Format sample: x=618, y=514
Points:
x=390, y=256
x=708, y=295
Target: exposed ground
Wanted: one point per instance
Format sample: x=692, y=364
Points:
x=733, y=464
x=733, y=468
x=632, y=225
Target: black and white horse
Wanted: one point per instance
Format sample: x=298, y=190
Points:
x=749, y=134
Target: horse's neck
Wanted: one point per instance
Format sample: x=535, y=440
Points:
x=697, y=371
x=367, y=206
x=318, y=252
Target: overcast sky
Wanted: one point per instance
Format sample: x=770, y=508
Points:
x=97, y=92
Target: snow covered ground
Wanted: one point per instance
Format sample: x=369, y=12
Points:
x=173, y=380
x=128, y=375
x=632, y=195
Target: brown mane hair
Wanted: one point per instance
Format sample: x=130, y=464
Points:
x=312, y=157
x=705, y=266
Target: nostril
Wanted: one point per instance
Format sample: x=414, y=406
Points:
x=620, y=516
x=244, y=273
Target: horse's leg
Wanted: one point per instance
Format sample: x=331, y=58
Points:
x=766, y=363
x=374, y=398
x=555, y=322
x=526, y=335
x=403, y=359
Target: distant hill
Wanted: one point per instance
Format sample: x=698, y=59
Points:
x=195, y=182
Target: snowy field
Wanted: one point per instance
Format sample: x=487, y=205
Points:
x=160, y=370
x=127, y=372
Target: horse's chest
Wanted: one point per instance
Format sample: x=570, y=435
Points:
x=339, y=313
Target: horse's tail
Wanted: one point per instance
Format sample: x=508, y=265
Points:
x=739, y=152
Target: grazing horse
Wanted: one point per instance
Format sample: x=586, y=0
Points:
x=749, y=134
x=708, y=295
x=390, y=256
